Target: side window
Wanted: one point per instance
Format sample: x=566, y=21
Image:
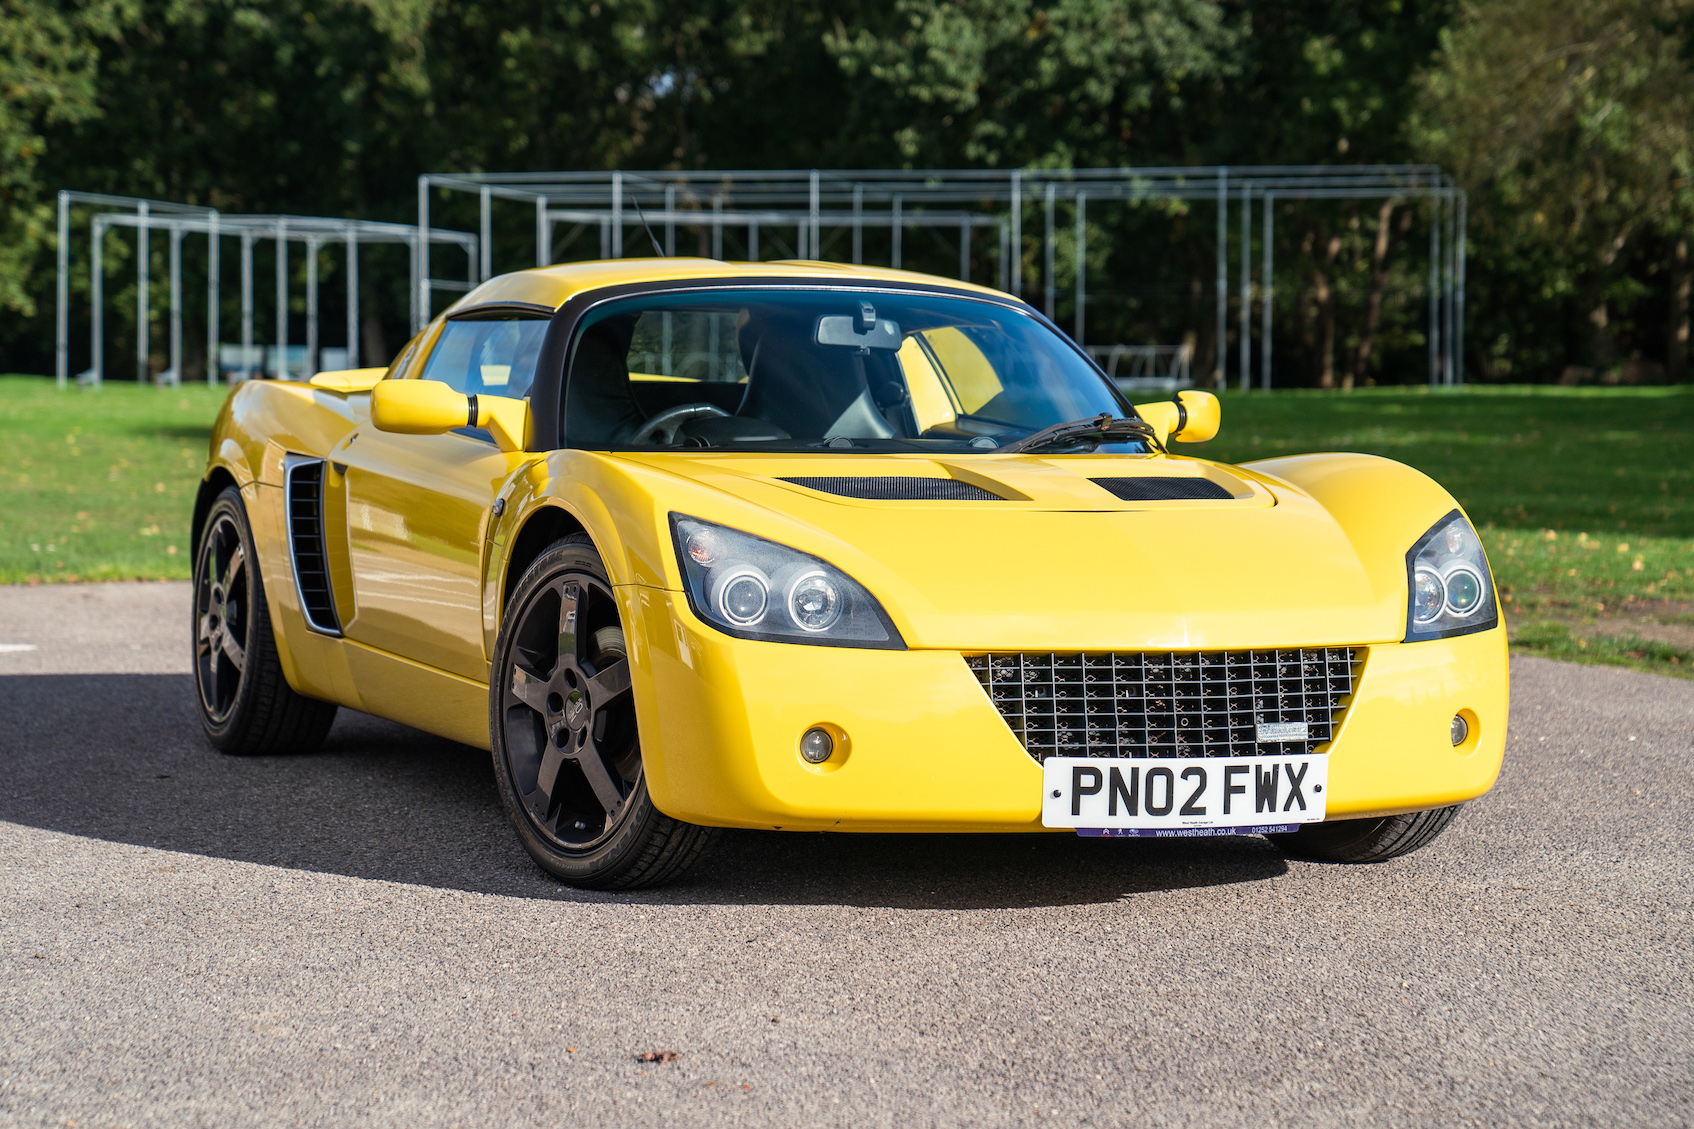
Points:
x=487, y=358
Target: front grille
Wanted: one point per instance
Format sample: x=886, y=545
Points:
x=1170, y=704
x=898, y=488
x=304, y=501
x=1165, y=488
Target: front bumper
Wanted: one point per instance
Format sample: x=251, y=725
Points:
x=925, y=749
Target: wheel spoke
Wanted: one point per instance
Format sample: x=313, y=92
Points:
x=237, y=558
x=203, y=635
x=588, y=758
x=211, y=676
x=236, y=654
x=570, y=604
x=610, y=684
x=548, y=778
x=530, y=689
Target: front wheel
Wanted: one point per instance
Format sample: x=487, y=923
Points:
x=1367, y=840
x=562, y=724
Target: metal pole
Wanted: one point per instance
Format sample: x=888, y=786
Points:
x=670, y=222
x=1081, y=265
x=1434, y=291
x=753, y=241
x=418, y=267
x=617, y=215
x=1451, y=267
x=214, y=300
x=800, y=241
x=543, y=235
x=815, y=253
x=1459, y=293
x=1223, y=279
x=1005, y=263
x=420, y=258
x=352, y=296
x=282, y=300
x=143, y=336
x=858, y=224
x=899, y=230
x=965, y=249
x=246, y=305
x=487, y=229
x=176, y=305
x=97, y=291
x=310, y=368
x=1048, y=285
x=1265, y=294
x=1017, y=232
x=1246, y=286
x=717, y=227
x=62, y=318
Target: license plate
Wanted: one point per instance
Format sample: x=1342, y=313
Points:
x=1156, y=796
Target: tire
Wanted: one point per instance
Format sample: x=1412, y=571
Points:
x=1367, y=840
x=562, y=724
x=245, y=703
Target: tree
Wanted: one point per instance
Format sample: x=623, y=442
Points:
x=1573, y=121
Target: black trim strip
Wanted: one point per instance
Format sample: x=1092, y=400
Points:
x=495, y=311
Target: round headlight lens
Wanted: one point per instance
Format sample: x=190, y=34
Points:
x=742, y=599
x=814, y=602
x=1464, y=590
x=1429, y=595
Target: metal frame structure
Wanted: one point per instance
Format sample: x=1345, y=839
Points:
x=817, y=202
x=179, y=220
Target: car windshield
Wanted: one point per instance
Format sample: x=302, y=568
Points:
x=823, y=370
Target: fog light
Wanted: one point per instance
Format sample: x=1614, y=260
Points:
x=816, y=745
x=1458, y=731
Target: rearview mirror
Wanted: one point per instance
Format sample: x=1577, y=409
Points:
x=880, y=333
x=429, y=407
x=1191, y=416
x=419, y=407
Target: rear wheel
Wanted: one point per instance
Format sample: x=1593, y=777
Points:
x=246, y=705
x=1367, y=840
x=562, y=724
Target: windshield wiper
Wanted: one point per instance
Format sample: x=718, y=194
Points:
x=1103, y=428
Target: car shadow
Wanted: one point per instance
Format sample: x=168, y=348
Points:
x=121, y=757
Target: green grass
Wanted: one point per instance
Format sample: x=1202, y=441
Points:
x=1585, y=496
x=99, y=484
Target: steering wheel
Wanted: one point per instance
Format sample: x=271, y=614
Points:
x=662, y=428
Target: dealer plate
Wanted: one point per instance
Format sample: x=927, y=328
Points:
x=1162, y=796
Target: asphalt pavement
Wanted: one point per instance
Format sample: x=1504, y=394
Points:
x=355, y=938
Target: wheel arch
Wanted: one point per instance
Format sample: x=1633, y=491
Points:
x=216, y=481
x=540, y=529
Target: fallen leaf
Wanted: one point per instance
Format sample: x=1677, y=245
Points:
x=656, y=1056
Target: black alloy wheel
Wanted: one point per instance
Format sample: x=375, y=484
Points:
x=245, y=703
x=563, y=729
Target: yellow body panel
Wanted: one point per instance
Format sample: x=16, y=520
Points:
x=1307, y=551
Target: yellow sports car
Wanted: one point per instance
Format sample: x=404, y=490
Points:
x=691, y=544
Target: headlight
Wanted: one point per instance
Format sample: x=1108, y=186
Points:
x=756, y=589
x=1448, y=576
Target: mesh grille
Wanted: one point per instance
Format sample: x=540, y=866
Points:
x=896, y=488
x=1169, y=704
x=1158, y=488
x=305, y=535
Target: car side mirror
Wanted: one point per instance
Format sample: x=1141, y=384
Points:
x=429, y=407
x=1191, y=416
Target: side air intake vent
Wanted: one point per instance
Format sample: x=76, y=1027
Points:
x=303, y=495
x=896, y=488
x=1155, y=488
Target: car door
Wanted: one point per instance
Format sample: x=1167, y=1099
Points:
x=419, y=507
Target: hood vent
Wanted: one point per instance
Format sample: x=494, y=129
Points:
x=1155, y=488
x=898, y=488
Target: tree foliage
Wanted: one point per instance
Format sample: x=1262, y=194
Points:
x=1567, y=119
